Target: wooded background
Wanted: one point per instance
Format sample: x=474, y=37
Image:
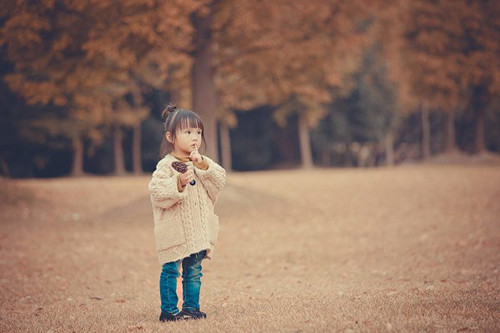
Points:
x=277, y=83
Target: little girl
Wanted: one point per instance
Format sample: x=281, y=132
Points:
x=185, y=225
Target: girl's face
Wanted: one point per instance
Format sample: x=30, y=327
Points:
x=186, y=140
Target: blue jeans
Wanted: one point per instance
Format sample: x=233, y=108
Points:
x=191, y=283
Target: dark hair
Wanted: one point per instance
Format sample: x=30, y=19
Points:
x=178, y=118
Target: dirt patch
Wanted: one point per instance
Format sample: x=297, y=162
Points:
x=414, y=248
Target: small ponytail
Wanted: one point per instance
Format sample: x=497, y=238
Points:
x=169, y=109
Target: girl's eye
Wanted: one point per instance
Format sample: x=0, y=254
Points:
x=199, y=132
x=188, y=132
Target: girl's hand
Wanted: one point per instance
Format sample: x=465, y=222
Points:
x=187, y=176
x=195, y=156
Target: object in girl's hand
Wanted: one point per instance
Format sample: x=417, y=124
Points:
x=182, y=168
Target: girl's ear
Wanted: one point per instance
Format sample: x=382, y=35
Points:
x=169, y=137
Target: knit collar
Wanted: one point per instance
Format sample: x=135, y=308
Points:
x=181, y=158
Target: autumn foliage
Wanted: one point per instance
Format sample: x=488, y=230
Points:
x=96, y=62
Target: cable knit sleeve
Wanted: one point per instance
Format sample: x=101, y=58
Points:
x=213, y=178
x=163, y=187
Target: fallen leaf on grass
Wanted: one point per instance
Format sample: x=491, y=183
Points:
x=96, y=298
x=136, y=327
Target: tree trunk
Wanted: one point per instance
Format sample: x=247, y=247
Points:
x=136, y=150
x=118, y=151
x=389, y=149
x=287, y=143
x=202, y=81
x=4, y=168
x=305, y=144
x=479, y=133
x=348, y=148
x=137, y=136
x=480, y=99
x=77, y=167
x=225, y=143
x=325, y=157
x=450, y=145
x=348, y=152
x=426, y=132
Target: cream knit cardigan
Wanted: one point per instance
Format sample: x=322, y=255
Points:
x=184, y=221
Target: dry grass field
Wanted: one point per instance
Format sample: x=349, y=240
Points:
x=407, y=249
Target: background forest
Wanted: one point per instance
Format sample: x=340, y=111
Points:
x=279, y=83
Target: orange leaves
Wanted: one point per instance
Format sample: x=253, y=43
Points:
x=449, y=46
x=264, y=52
x=89, y=55
x=22, y=31
x=27, y=19
x=61, y=43
x=275, y=50
x=33, y=91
